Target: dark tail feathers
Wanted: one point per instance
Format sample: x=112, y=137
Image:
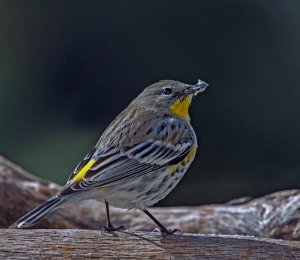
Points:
x=35, y=215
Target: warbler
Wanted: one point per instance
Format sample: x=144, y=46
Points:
x=139, y=158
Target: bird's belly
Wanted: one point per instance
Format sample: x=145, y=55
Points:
x=145, y=190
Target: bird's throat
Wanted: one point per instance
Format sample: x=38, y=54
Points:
x=181, y=107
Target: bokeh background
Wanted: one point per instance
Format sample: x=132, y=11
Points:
x=67, y=68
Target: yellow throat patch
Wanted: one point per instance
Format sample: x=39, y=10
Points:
x=181, y=107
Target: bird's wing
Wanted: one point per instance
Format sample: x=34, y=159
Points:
x=169, y=143
x=82, y=164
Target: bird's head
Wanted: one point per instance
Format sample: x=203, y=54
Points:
x=170, y=96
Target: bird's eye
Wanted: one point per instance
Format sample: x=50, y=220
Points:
x=167, y=91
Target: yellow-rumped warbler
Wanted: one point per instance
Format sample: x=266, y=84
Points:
x=140, y=157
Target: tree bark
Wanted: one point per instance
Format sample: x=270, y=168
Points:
x=275, y=215
x=92, y=244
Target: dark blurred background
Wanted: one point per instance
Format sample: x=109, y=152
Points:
x=67, y=68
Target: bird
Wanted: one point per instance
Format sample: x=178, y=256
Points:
x=140, y=157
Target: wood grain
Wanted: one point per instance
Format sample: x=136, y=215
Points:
x=92, y=244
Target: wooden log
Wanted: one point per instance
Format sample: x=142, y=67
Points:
x=275, y=215
x=91, y=244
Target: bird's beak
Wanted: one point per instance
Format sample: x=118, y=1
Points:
x=196, y=89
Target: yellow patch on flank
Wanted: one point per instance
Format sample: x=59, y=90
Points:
x=79, y=176
x=172, y=168
x=190, y=156
x=181, y=107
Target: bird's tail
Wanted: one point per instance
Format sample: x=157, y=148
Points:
x=35, y=215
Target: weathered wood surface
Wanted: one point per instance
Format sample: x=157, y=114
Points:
x=275, y=215
x=92, y=244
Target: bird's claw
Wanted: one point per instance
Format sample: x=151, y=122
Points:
x=164, y=231
x=108, y=229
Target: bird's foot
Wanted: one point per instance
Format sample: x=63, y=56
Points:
x=164, y=231
x=111, y=228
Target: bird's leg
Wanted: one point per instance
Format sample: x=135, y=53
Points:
x=161, y=228
x=110, y=227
